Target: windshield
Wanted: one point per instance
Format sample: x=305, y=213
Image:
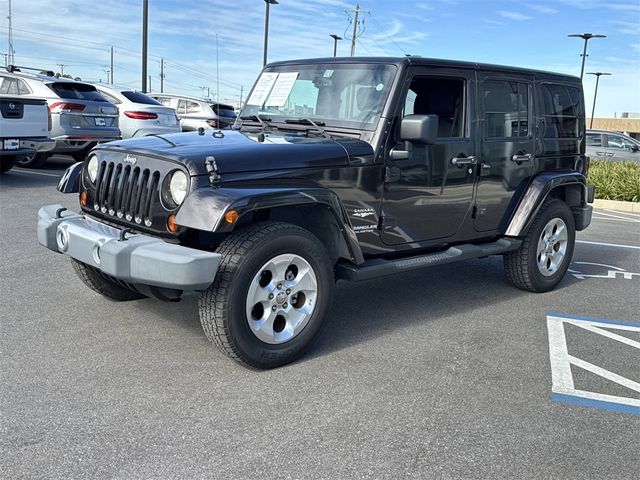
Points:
x=342, y=95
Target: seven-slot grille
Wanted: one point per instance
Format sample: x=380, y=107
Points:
x=126, y=191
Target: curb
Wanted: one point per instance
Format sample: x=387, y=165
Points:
x=633, y=207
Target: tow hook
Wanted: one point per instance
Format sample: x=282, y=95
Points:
x=121, y=236
x=59, y=212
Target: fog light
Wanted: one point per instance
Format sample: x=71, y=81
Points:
x=62, y=239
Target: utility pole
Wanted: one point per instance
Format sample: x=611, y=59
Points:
x=241, y=96
x=162, y=75
x=586, y=37
x=149, y=84
x=12, y=52
x=112, y=65
x=62, y=65
x=145, y=23
x=595, y=95
x=357, y=11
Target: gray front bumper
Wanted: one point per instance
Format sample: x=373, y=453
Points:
x=139, y=259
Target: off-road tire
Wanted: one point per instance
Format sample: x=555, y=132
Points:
x=6, y=164
x=222, y=306
x=35, y=160
x=103, y=285
x=521, y=265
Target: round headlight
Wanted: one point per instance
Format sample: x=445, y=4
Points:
x=178, y=187
x=92, y=168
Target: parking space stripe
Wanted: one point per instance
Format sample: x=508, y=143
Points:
x=595, y=403
x=613, y=245
x=619, y=217
x=19, y=170
x=617, y=212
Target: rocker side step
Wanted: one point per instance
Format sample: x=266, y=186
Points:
x=379, y=267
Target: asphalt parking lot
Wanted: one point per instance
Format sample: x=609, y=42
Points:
x=442, y=373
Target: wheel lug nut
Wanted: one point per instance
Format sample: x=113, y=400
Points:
x=274, y=308
x=279, y=286
x=288, y=291
x=271, y=296
x=285, y=305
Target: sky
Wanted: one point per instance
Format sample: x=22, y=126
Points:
x=525, y=33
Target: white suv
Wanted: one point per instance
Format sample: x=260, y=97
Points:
x=195, y=112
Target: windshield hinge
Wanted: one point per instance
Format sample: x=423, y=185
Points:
x=391, y=174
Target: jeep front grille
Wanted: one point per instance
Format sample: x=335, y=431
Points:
x=126, y=191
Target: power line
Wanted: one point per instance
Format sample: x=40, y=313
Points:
x=383, y=31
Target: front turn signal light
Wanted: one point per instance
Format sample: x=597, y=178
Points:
x=231, y=216
x=171, y=224
x=83, y=199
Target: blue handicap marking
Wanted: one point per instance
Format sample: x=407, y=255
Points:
x=563, y=388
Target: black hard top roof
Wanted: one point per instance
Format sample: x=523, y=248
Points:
x=429, y=62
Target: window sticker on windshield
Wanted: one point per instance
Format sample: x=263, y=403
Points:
x=282, y=89
x=328, y=73
x=379, y=87
x=262, y=88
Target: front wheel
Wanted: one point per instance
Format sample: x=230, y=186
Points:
x=544, y=256
x=270, y=295
x=34, y=160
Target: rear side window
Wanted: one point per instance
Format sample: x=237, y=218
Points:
x=182, y=106
x=562, y=109
x=13, y=86
x=137, y=97
x=193, y=107
x=506, y=109
x=76, y=91
x=594, y=140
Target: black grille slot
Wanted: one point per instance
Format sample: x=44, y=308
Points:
x=126, y=192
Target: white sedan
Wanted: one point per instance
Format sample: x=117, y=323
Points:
x=140, y=114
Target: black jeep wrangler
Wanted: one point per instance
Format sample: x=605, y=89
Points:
x=348, y=169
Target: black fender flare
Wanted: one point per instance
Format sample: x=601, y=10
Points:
x=70, y=181
x=205, y=208
x=537, y=192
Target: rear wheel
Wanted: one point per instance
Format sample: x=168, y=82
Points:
x=544, y=256
x=35, y=160
x=103, y=285
x=270, y=295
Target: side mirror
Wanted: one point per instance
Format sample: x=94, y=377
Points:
x=419, y=129
x=635, y=148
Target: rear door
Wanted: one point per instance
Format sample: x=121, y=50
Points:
x=507, y=152
x=428, y=195
x=620, y=148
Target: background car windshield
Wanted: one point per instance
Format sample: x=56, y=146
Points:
x=340, y=95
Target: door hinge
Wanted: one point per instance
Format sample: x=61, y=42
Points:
x=387, y=222
x=391, y=174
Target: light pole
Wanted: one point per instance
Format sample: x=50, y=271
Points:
x=595, y=95
x=266, y=29
x=586, y=37
x=335, y=42
x=145, y=23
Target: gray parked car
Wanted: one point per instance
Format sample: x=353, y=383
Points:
x=80, y=116
x=195, y=112
x=612, y=146
x=140, y=114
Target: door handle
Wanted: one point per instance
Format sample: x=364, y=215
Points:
x=461, y=162
x=527, y=157
x=604, y=154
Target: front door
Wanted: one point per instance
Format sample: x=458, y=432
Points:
x=428, y=195
x=507, y=155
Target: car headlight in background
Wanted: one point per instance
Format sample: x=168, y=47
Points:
x=92, y=168
x=178, y=187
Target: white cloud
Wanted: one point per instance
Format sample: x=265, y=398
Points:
x=513, y=15
x=542, y=8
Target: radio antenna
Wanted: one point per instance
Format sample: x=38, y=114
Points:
x=218, y=133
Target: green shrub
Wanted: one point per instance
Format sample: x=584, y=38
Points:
x=615, y=180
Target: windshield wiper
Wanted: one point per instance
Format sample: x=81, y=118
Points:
x=307, y=121
x=263, y=121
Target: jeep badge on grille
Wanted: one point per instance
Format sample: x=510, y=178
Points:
x=130, y=159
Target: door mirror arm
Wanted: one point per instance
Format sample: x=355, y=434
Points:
x=397, y=153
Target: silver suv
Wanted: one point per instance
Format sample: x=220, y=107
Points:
x=80, y=116
x=612, y=146
x=195, y=112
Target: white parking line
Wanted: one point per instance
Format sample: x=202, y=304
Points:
x=620, y=217
x=20, y=170
x=617, y=212
x=614, y=245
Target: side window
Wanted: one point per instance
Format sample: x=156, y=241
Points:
x=562, y=110
x=594, y=139
x=444, y=97
x=617, y=141
x=182, y=107
x=110, y=97
x=9, y=86
x=193, y=107
x=506, y=109
x=22, y=88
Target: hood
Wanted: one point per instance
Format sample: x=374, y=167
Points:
x=243, y=152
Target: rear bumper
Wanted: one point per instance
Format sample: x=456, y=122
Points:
x=132, y=258
x=27, y=146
